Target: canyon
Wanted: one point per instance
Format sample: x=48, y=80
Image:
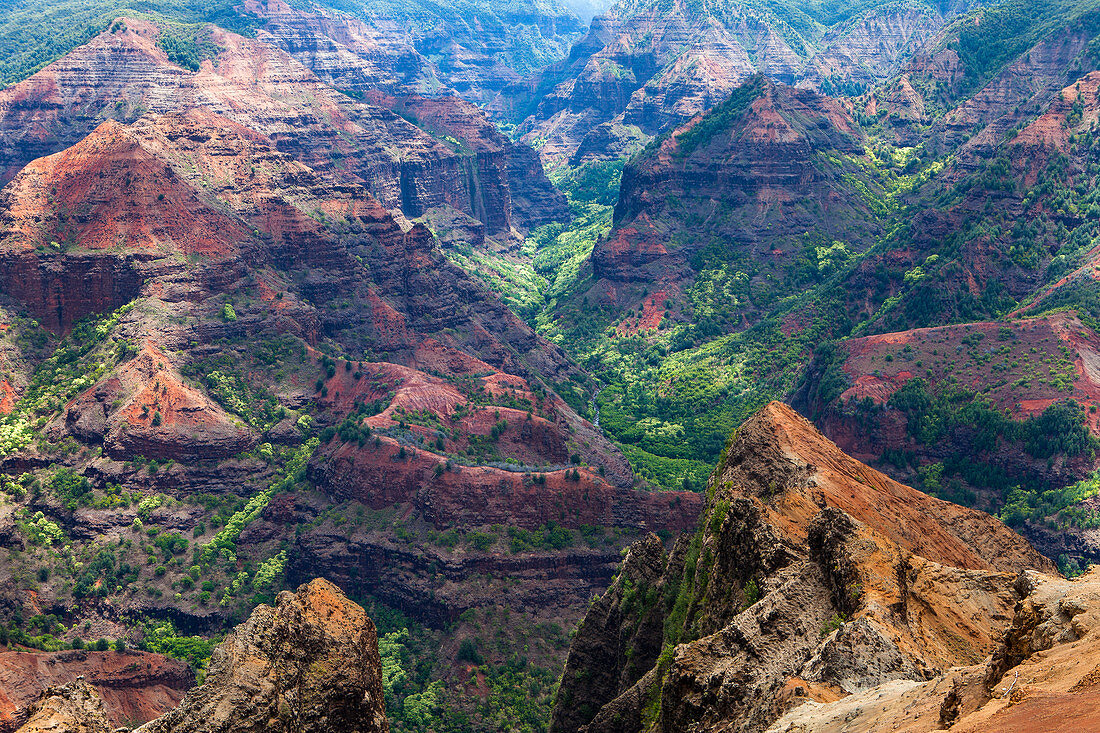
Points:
x=694, y=366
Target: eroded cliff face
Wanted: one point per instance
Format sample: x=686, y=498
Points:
x=810, y=576
x=1040, y=677
x=648, y=67
x=473, y=49
x=133, y=685
x=512, y=190
x=265, y=89
x=751, y=175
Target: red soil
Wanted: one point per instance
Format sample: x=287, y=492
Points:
x=653, y=311
x=1027, y=388
x=108, y=192
x=134, y=685
x=379, y=477
x=8, y=397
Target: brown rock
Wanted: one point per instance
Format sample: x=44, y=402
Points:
x=75, y=707
x=308, y=665
x=1045, y=676
x=811, y=576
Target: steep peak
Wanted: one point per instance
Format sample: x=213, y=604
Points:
x=763, y=112
x=129, y=35
x=779, y=458
x=109, y=192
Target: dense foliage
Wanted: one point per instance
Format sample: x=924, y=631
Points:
x=32, y=34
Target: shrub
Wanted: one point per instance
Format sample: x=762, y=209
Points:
x=468, y=652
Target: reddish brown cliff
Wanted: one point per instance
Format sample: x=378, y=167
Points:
x=135, y=686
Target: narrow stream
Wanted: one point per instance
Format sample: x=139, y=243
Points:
x=594, y=408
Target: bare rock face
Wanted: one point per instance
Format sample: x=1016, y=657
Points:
x=613, y=630
x=810, y=577
x=1042, y=676
x=310, y=664
x=75, y=707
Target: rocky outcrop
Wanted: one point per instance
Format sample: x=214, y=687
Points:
x=73, y=708
x=811, y=576
x=144, y=408
x=620, y=637
x=308, y=664
x=1041, y=677
x=133, y=685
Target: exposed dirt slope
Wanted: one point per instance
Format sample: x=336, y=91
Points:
x=135, y=686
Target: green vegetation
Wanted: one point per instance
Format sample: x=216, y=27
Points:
x=720, y=118
x=34, y=34
x=561, y=251
x=38, y=529
x=965, y=428
x=1004, y=31
x=232, y=378
x=519, y=286
x=425, y=693
x=161, y=637
x=1060, y=429
x=225, y=540
x=78, y=361
x=104, y=576
x=548, y=537
x=1054, y=507
x=188, y=46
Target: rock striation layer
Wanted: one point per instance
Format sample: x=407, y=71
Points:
x=649, y=66
x=133, y=685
